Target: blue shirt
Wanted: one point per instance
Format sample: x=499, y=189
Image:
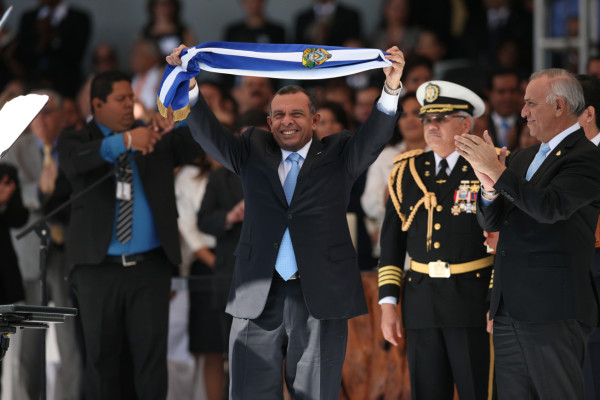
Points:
x=144, y=235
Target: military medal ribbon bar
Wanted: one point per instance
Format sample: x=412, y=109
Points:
x=281, y=61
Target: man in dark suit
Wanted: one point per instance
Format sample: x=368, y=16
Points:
x=51, y=43
x=296, y=280
x=545, y=204
x=431, y=214
x=590, y=123
x=503, y=93
x=123, y=238
x=327, y=22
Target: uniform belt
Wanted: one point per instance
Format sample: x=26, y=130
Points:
x=279, y=278
x=129, y=260
x=452, y=268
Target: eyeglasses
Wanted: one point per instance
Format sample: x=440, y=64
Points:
x=440, y=119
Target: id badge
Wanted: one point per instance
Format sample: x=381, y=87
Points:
x=123, y=190
x=439, y=269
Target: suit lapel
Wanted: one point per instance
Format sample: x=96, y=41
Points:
x=559, y=151
x=314, y=151
x=273, y=158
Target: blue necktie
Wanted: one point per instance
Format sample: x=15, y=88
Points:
x=286, y=259
x=538, y=160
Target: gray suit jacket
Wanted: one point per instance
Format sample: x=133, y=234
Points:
x=26, y=156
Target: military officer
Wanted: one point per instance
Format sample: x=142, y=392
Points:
x=431, y=215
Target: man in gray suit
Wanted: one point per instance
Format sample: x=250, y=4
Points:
x=296, y=280
x=34, y=155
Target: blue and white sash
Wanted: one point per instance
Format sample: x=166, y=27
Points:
x=282, y=61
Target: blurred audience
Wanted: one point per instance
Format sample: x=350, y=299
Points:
x=396, y=28
x=333, y=119
x=418, y=70
x=165, y=27
x=503, y=94
x=146, y=66
x=338, y=91
x=255, y=27
x=593, y=66
x=50, y=45
x=327, y=22
x=198, y=258
x=365, y=99
x=43, y=187
x=253, y=92
x=104, y=58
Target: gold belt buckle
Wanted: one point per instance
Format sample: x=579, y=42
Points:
x=439, y=269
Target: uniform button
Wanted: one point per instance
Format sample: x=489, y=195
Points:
x=478, y=275
x=410, y=278
x=503, y=253
x=289, y=216
x=439, y=208
x=276, y=245
x=437, y=227
x=437, y=245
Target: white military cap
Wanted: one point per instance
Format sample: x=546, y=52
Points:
x=442, y=97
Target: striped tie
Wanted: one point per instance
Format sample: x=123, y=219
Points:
x=125, y=216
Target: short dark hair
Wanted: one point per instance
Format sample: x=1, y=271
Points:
x=102, y=84
x=591, y=93
x=337, y=110
x=501, y=72
x=252, y=117
x=293, y=89
x=416, y=60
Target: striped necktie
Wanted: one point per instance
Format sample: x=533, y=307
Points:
x=125, y=216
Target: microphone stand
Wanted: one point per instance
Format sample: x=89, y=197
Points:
x=43, y=231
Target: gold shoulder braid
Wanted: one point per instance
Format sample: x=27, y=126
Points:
x=428, y=200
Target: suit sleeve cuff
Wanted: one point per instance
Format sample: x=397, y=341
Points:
x=387, y=103
x=389, y=300
x=193, y=96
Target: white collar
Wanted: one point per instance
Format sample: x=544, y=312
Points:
x=452, y=159
x=303, y=152
x=596, y=139
x=559, y=138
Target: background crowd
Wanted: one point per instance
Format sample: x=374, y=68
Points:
x=485, y=45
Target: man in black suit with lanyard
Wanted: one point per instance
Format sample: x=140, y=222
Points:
x=545, y=204
x=296, y=279
x=123, y=239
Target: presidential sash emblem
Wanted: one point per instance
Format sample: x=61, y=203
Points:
x=313, y=57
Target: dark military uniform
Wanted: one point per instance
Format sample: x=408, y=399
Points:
x=445, y=317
